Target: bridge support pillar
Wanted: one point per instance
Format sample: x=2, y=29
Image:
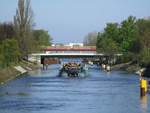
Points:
x=44, y=63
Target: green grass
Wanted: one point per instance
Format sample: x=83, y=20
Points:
x=7, y=74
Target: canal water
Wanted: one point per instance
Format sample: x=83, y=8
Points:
x=98, y=92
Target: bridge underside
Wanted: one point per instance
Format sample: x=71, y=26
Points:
x=54, y=57
x=73, y=55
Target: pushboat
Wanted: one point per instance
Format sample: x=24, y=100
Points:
x=72, y=69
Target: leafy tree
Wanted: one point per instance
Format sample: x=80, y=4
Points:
x=144, y=32
x=128, y=33
x=42, y=37
x=1, y=56
x=112, y=32
x=108, y=46
x=131, y=37
x=100, y=36
x=107, y=42
x=144, y=36
x=10, y=52
x=145, y=56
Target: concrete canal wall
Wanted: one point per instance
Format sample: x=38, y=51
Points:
x=12, y=72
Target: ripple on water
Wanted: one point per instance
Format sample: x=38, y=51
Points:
x=31, y=106
x=100, y=92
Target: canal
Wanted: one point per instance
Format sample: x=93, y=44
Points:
x=99, y=92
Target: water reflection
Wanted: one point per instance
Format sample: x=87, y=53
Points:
x=144, y=103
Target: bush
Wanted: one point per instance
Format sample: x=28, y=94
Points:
x=9, y=52
x=145, y=56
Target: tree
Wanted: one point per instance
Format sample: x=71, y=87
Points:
x=128, y=33
x=23, y=26
x=112, y=32
x=1, y=56
x=100, y=36
x=90, y=39
x=9, y=52
x=144, y=36
x=144, y=32
x=145, y=56
x=107, y=42
x=42, y=37
x=131, y=37
x=107, y=46
x=6, y=31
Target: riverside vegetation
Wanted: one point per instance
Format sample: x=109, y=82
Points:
x=131, y=37
x=18, y=39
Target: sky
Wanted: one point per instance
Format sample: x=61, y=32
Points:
x=71, y=20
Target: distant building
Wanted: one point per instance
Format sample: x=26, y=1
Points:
x=57, y=45
x=74, y=45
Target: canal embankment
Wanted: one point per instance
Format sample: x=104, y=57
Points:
x=129, y=67
x=14, y=71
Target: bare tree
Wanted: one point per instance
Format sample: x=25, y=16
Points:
x=90, y=39
x=23, y=25
x=6, y=31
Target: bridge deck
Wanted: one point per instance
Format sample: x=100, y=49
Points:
x=72, y=55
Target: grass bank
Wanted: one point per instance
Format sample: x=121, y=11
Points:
x=11, y=72
x=8, y=74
